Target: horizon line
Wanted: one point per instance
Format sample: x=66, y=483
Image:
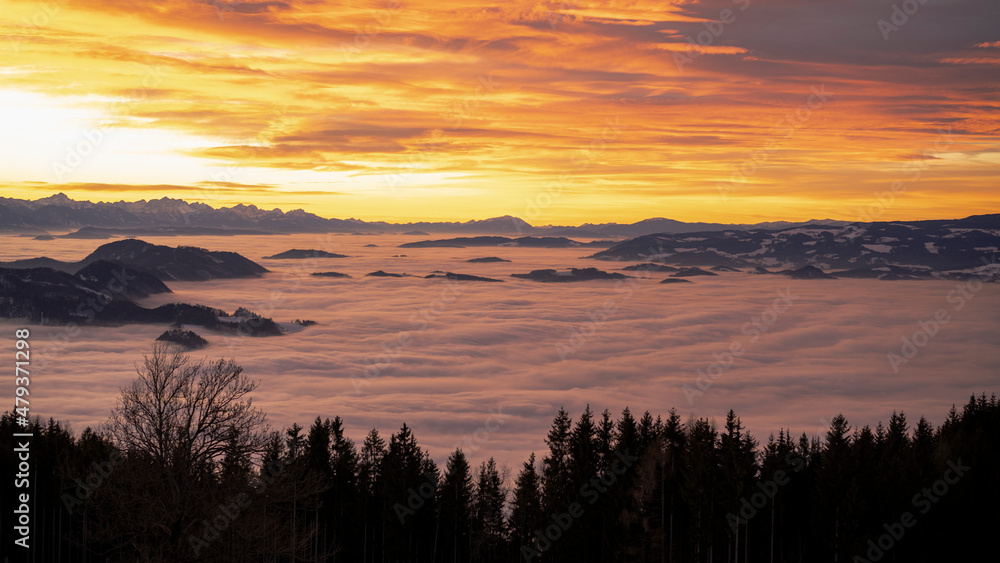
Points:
x=505, y=216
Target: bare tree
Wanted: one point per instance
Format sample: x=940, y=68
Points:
x=176, y=423
x=184, y=414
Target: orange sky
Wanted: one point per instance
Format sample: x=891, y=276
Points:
x=556, y=112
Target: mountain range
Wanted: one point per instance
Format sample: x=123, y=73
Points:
x=915, y=246
x=166, y=216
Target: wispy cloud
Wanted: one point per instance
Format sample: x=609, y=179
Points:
x=227, y=66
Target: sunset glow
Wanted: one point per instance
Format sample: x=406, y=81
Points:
x=557, y=113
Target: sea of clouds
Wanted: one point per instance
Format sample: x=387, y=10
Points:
x=487, y=365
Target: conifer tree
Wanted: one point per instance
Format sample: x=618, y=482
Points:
x=456, y=509
x=525, y=511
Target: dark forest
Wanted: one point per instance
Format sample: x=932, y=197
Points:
x=186, y=469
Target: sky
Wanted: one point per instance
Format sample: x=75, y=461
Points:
x=486, y=366
x=555, y=112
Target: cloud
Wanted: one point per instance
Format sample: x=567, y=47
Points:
x=341, y=93
x=497, y=347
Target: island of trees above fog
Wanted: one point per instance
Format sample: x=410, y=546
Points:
x=186, y=469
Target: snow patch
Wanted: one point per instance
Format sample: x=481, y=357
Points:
x=878, y=247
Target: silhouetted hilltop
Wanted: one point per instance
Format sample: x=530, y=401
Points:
x=571, y=275
x=182, y=263
x=461, y=277
x=46, y=296
x=383, y=274
x=486, y=260
x=187, y=339
x=300, y=254
x=126, y=280
x=808, y=273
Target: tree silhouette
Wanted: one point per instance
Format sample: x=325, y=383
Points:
x=526, y=509
x=177, y=422
x=168, y=481
x=488, y=525
x=456, y=509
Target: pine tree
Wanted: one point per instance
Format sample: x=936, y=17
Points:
x=555, y=466
x=488, y=513
x=700, y=478
x=628, y=433
x=456, y=509
x=582, y=542
x=344, y=499
x=370, y=486
x=647, y=431
x=525, y=511
x=236, y=466
x=295, y=443
x=409, y=489
x=737, y=456
x=672, y=515
x=833, y=480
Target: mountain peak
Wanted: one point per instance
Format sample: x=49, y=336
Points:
x=56, y=199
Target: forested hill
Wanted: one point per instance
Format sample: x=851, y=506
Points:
x=608, y=489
